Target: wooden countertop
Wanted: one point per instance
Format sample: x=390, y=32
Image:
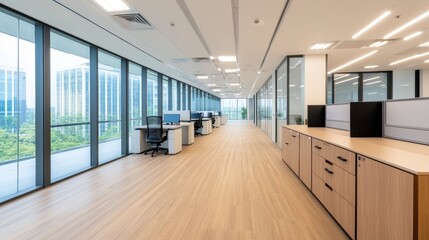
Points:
x=410, y=157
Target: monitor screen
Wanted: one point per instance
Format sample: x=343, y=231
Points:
x=172, y=118
x=209, y=115
x=219, y=113
x=195, y=115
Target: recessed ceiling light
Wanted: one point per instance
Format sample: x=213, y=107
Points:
x=352, y=61
x=410, y=58
x=426, y=44
x=406, y=25
x=211, y=85
x=321, y=46
x=203, y=77
x=211, y=57
x=222, y=94
x=427, y=61
x=378, y=43
x=346, y=80
x=371, y=66
x=237, y=94
x=219, y=69
x=412, y=36
x=234, y=70
x=372, y=24
x=259, y=72
x=234, y=84
x=217, y=90
x=112, y=5
x=227, y=58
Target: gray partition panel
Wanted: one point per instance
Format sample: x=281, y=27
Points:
x=184, y=115
x=338, y=116
x=407, y=120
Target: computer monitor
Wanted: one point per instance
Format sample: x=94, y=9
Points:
x=195, y=115
x=172, y=118
x=219, y=113
x=209, y=115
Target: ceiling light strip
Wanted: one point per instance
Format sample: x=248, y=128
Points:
x=353, y=61
x=372, y=24
x=411, y=36
x=415, y=20
x=410, y=58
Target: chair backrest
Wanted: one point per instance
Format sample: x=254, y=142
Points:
x=199, y=123
x=209, y=115
x=154, y=128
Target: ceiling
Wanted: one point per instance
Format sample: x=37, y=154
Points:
x=186, y=33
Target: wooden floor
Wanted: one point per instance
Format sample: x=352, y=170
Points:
x=231, y=184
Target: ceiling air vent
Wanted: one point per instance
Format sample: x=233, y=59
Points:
x=133, y=21
x=181, y=60
x=201, y=60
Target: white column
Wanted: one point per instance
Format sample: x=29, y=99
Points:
x=314, y=81
x=424, y=83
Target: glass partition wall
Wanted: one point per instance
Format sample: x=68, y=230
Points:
x=80, y=121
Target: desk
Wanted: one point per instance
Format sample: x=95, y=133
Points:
x=217, y=121
x=187, y=133
x=223, y=120
x=173, y=143
x=207, y=126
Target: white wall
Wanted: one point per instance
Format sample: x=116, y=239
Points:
x=424, y=83
x=403, y=83
x=315, y=80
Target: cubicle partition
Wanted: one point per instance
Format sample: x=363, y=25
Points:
x=338, y=116
x=185, y=116
x=407, y=120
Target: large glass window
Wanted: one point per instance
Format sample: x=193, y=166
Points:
x=152, y=93
x=174, y=94
x=404, y=84
x=109, y=101
x=235, y=109
x=185, y=94
x=374, y=86
x=165, y=92
x=281, y=100
x=346, y=88
x=296, y=91
x=17, y=106
x=70, y=106
x=135, y=96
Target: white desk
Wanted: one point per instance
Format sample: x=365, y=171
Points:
x=173, y=143
x=223, y=119
x=187, y=133
x=217, y=121
x=207, y=126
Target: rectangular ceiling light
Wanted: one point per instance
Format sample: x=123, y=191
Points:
x=346, y=80
x=112, y=5
x=211, y=85
x=378, y=43
x=426, y=44
x=203, y=77
x=237, y=94
x=321, y=46
x=233, y=70
x=371, y=66
x=410, y=58
x=406, y=25
x=427, y=61
x=372, y=24
x=234, y=84
x=227, y=58
x=217, y=90
x=352, y=61
x=411, y=36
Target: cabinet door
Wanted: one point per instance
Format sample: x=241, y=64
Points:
x=294, y=154
x=384, y=201
x=305, y=160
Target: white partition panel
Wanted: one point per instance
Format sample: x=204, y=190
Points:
x=338, y=116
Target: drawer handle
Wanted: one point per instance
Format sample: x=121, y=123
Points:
x=287, y=143
x=329, y=162
x=329, y=171
x=317, y=147
x=341, y=158
x=329, y=187
x=293, y=136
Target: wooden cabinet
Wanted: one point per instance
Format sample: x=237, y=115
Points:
x=333, y=184
x=305, y=160
x=385, y=201
x=290, y=150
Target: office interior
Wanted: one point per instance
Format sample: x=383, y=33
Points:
x=78, y=79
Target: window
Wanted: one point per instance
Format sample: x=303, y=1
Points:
x=17, y=106
x=152, y=93
x=234, y=108
x=109, y=109
x=282, y=100
x=174, y=94
x=135, y=96
x=374, y=86
x=296, y=90
x=70, y=104
x=165, y=92
x=346, y=88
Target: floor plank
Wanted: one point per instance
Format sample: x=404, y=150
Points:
x=231, y=184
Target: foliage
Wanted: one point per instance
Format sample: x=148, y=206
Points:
x=243, y=113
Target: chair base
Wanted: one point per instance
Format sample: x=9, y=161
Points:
x=155, y=150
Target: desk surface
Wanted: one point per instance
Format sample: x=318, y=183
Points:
x=165, y=127
x=410, y=157
x=204, y=119
x=186, y=123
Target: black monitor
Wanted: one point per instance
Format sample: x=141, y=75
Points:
x=209, y=115
x=195, y=115
x=219, y=113
x=172, y=118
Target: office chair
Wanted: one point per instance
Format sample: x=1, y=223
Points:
x=154, y=134
x=198, y=125
x=210, y=115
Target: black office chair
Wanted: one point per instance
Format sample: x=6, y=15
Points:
x=210, y=115
x=155, y=135
x=198, y=124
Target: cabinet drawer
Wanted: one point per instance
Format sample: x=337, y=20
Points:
x=291, y=135
x=320, y=147
x=345, y=184
x=345, y=215
x=324, y=169
x=343, y=158
x=324, y=192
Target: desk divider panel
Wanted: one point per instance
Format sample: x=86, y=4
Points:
x=338, y=116
x=184, y=115
x=366, y=119
x=316, y=115
x=407, y=120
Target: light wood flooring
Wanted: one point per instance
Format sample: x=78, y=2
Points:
x=231, y=184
